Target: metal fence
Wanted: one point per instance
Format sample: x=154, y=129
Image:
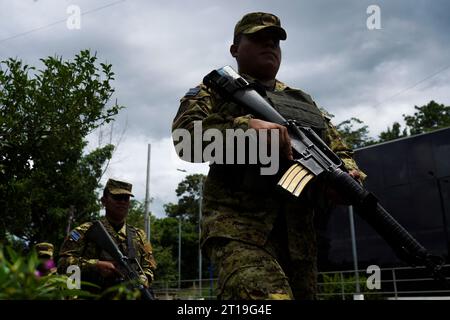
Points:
x=193, y=289
x=394, y=284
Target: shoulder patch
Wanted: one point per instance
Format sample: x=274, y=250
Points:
x=192, y=92
x=75, y=235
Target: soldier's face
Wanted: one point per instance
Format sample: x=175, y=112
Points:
x=258, y=54
x=116, y=206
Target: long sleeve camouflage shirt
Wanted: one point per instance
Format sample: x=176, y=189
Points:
x=77, y=250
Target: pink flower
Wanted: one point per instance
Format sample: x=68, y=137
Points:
x=49, y=264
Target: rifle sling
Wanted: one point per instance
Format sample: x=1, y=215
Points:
x=131, y=248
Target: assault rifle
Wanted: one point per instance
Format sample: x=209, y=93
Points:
x=98, y=234
x=313, y=158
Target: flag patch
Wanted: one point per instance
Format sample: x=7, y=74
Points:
x=192, y=92
x=75, y=235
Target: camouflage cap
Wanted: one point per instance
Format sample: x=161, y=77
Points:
x=256, y=21
x=44, y=249
x=118, y=187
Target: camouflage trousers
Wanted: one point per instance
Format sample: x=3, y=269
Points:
x=249, y=272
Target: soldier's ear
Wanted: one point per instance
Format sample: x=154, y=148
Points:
x=234, y=50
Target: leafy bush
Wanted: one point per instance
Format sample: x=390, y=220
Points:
x=24, y=277
x=333, y=287
x=21, y=280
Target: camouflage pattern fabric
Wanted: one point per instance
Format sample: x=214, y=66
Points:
x=276, y=271
x=44, y=250
x=119, y=187
x=242, y=266
x=77, y=251
x=257, y=21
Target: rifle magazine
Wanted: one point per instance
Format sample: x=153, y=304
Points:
x=295, y=179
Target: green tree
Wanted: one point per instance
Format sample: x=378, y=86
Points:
x=136, y=214
x=188, y=193
x=45, y=116
x=166, y=238
x=167, y=264
x=392, y=133
x=355, y=133
x=187, y=209
x=163, y=240
x=429, y=117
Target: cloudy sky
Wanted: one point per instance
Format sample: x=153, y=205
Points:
x=160, y=49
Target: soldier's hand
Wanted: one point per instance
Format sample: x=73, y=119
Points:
x=335, y=196
x=355, y=174
x=107, y=269
x=285, y=140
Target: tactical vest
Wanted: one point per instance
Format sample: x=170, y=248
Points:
x=298, y=106
x=291, y=104
x=128, y=249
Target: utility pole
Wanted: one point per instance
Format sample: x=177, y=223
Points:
x=147, y=196
x=199, y=236
x=357, y=295
x=179, y=252
x=70, y=219
x=179, y=244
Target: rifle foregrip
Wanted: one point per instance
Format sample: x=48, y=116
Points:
x=383, y=223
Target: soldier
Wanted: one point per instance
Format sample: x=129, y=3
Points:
x=261, y=239
x=44, y=252
x=95, y=264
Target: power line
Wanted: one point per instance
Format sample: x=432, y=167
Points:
x=391, y=37
x=57, y=22
x=412, y=86
x=408, y=88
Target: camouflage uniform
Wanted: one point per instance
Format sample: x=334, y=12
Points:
x=261, y=239
x=44, y=252
x=76, y=250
